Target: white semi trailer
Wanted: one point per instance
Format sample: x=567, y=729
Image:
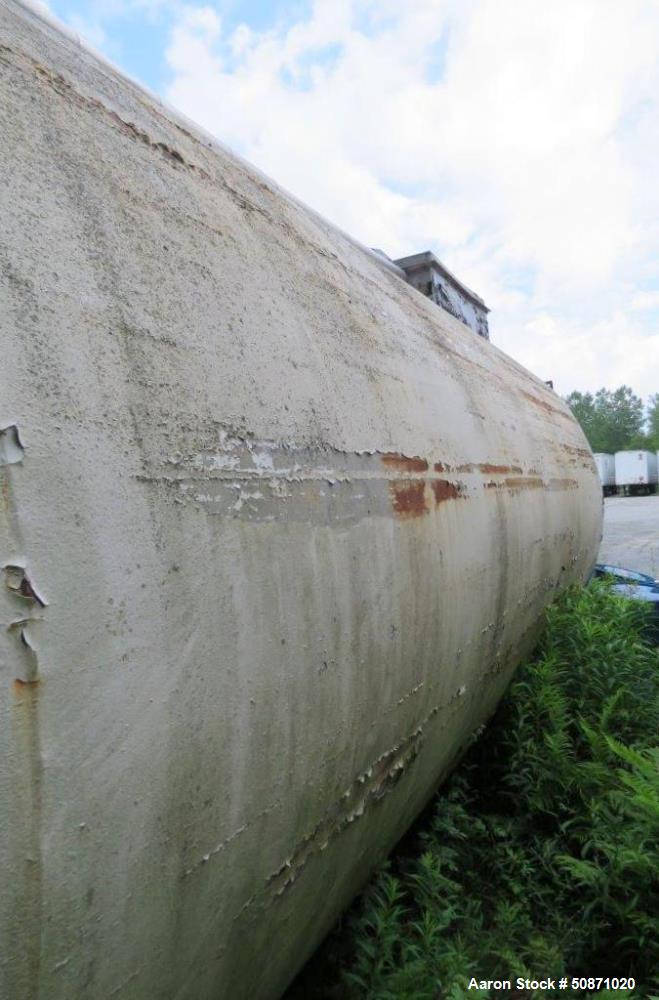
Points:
x=636, y=471
x=274, y=533
x=606, y=470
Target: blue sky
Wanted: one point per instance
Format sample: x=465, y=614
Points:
x=517, y=141
x=135, y=35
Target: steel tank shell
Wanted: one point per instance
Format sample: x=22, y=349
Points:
x=275, y=531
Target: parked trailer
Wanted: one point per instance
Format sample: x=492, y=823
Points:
x=275, y=532
x=606, y=470
x=636, y=472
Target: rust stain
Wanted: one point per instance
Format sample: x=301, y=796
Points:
x=6, y=497
x=531, y=483
x=24, y=687
x=404, y=463
x=439, y=467
x=515, y=483
x=494, y=470
x=488, y=468
x=444, y=490
x=563, y=484
x=542, y=404
x=581, y=452
x=524, y=483
x=66, y=90
x=408, y=497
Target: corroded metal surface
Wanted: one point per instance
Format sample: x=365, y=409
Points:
x=274, y=532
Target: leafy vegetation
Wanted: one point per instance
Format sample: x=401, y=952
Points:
x=541, y=855
x=617, y=420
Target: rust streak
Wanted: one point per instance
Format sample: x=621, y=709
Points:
x=524, y=483
x=544, y=405
x=516, y=483
x=563, y=484
x=494, y=470
x=408, y=497
x=488, y=468
x=66, y=90
x=403, y=463
x=6, y=497
x=20, y=686
x=581, y=452
x=444, y=490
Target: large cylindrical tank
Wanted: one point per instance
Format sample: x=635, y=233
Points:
x=275, y=530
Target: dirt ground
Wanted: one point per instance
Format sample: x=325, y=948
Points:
x=631, y=533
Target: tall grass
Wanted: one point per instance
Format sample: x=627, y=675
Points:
x=541, y=855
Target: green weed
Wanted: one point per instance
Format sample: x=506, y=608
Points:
x=541, y=854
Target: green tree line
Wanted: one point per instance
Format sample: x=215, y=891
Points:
x=617, y=420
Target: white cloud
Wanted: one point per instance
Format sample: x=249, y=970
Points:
x=645, y=300
x=606, y=352
x=519, y=141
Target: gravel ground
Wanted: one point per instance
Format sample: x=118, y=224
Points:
x=631, y=533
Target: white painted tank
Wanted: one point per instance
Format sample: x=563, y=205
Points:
x=635, y=468
x=275, y=532
x=606, y=468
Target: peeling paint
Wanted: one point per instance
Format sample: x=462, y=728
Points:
x=65, y=89
x=362, y=483
x=11, y=447
x=405, y=464
x=250, y=478
x=445, y=490
x=516, y=484
x=367, y=789
x=205, y=858
x=29, y=657
x=18, y=581
x=408, y=497
x=370, y=786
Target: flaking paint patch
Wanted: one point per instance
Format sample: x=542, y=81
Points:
x=29, y=659
x=265, y=480
x=517, y=484
x=487, y=468
x=404, y=463
x=65, y=89
x=443, y=490
x=367, y=789
x=11, y=446
x=370, y=786
x=20, y=584
x=217, y=849
x=409, y=497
